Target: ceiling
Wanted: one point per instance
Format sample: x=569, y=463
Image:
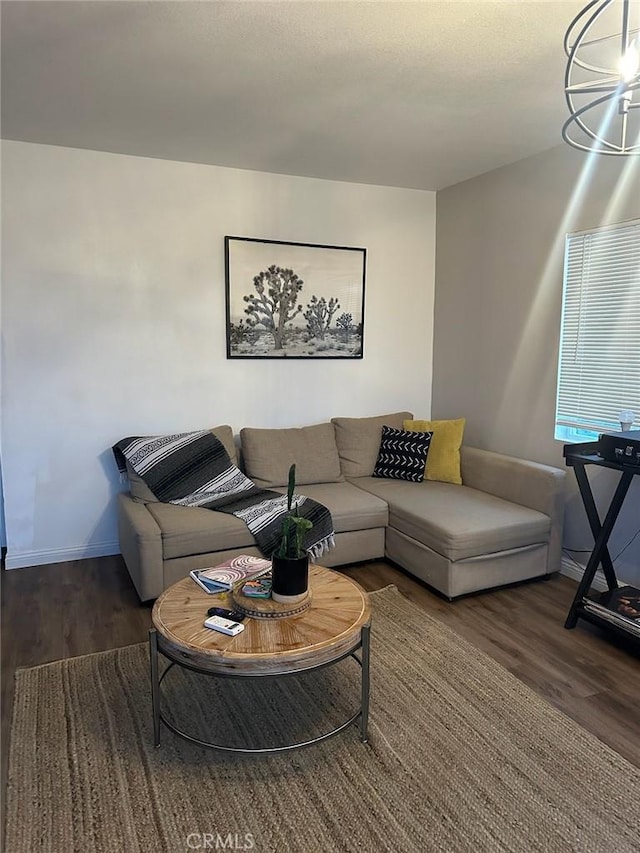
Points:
x=410, y=94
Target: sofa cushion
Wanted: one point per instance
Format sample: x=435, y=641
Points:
x=269, y=453
x=443, y=462
x=351, y=508
x=458, y=521
x=193, y=530
x=402, y=454
x=358, y=441
x=142, y=493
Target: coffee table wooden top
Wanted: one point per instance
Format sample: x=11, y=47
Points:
x=328, y=629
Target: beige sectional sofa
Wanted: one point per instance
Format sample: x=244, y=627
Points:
x=503, y=524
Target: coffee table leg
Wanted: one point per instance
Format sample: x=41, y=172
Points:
x=364, y=712
x=155, y=686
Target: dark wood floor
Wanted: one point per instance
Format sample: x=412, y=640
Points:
x=68, y=609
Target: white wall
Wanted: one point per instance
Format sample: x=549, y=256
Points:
x=114, y=321
x=500, y=250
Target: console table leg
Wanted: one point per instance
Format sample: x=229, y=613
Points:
x=364, y=708
x=601, y=532
x=600, y=539
x=155, y=685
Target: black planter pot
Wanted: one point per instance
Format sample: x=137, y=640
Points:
x=290, y=579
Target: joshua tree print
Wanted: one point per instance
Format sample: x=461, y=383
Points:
x=345, y=322
x=283, y=299
x=318, y=315
x=275, y=304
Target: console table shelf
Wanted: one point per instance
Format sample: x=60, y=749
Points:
x=604, y=609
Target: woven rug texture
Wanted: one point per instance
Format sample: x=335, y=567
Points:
x=462, y=758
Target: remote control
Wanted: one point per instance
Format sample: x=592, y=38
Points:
x=225, y=626
x=233, y=615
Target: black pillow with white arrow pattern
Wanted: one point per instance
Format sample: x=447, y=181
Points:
x=402, y=454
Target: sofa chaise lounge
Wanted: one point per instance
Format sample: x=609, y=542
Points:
x=502, y=525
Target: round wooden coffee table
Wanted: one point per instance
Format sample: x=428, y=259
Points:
x=335, y=626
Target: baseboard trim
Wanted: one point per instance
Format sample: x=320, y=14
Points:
x=61, y=555
x=574, y=570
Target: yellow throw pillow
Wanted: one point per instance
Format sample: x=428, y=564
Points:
x=443, y=461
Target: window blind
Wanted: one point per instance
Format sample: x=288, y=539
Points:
x=599, y=361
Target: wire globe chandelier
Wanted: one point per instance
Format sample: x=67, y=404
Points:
x=604, y=40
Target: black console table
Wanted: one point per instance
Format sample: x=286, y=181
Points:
x=601, y=610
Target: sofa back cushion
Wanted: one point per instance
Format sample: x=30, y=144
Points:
x=268, y=454
x=358, y=441
x=142, y=493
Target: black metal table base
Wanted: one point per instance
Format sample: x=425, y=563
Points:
x=578, y=456
x=361, y=716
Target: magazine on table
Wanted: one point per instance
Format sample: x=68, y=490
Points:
x=258, y=587
x=225, y=576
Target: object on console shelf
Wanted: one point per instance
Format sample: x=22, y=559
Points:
x=225, y=576
x=620, y=447
x=620, y=606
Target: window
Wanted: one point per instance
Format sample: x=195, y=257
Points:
x=599, y=363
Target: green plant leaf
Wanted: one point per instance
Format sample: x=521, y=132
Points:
x=294, y=526
x=292, y=485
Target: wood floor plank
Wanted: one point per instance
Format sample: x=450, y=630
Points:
x=67, y=609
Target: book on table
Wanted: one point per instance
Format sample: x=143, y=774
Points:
x=228, y=574
x=258, y=587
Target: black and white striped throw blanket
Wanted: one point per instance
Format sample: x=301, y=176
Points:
x=194, y=469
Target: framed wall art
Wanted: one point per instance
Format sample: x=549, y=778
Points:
x=294, y=300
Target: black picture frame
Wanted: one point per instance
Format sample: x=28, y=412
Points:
x=294, y=300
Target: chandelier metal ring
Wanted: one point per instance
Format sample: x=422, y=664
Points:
x=610, y=123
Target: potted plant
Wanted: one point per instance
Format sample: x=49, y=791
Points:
x=290, y=561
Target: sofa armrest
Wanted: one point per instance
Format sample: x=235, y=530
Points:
x=141, y=546
x=530, y=484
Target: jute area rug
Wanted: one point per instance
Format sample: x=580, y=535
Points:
x=462, y=757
